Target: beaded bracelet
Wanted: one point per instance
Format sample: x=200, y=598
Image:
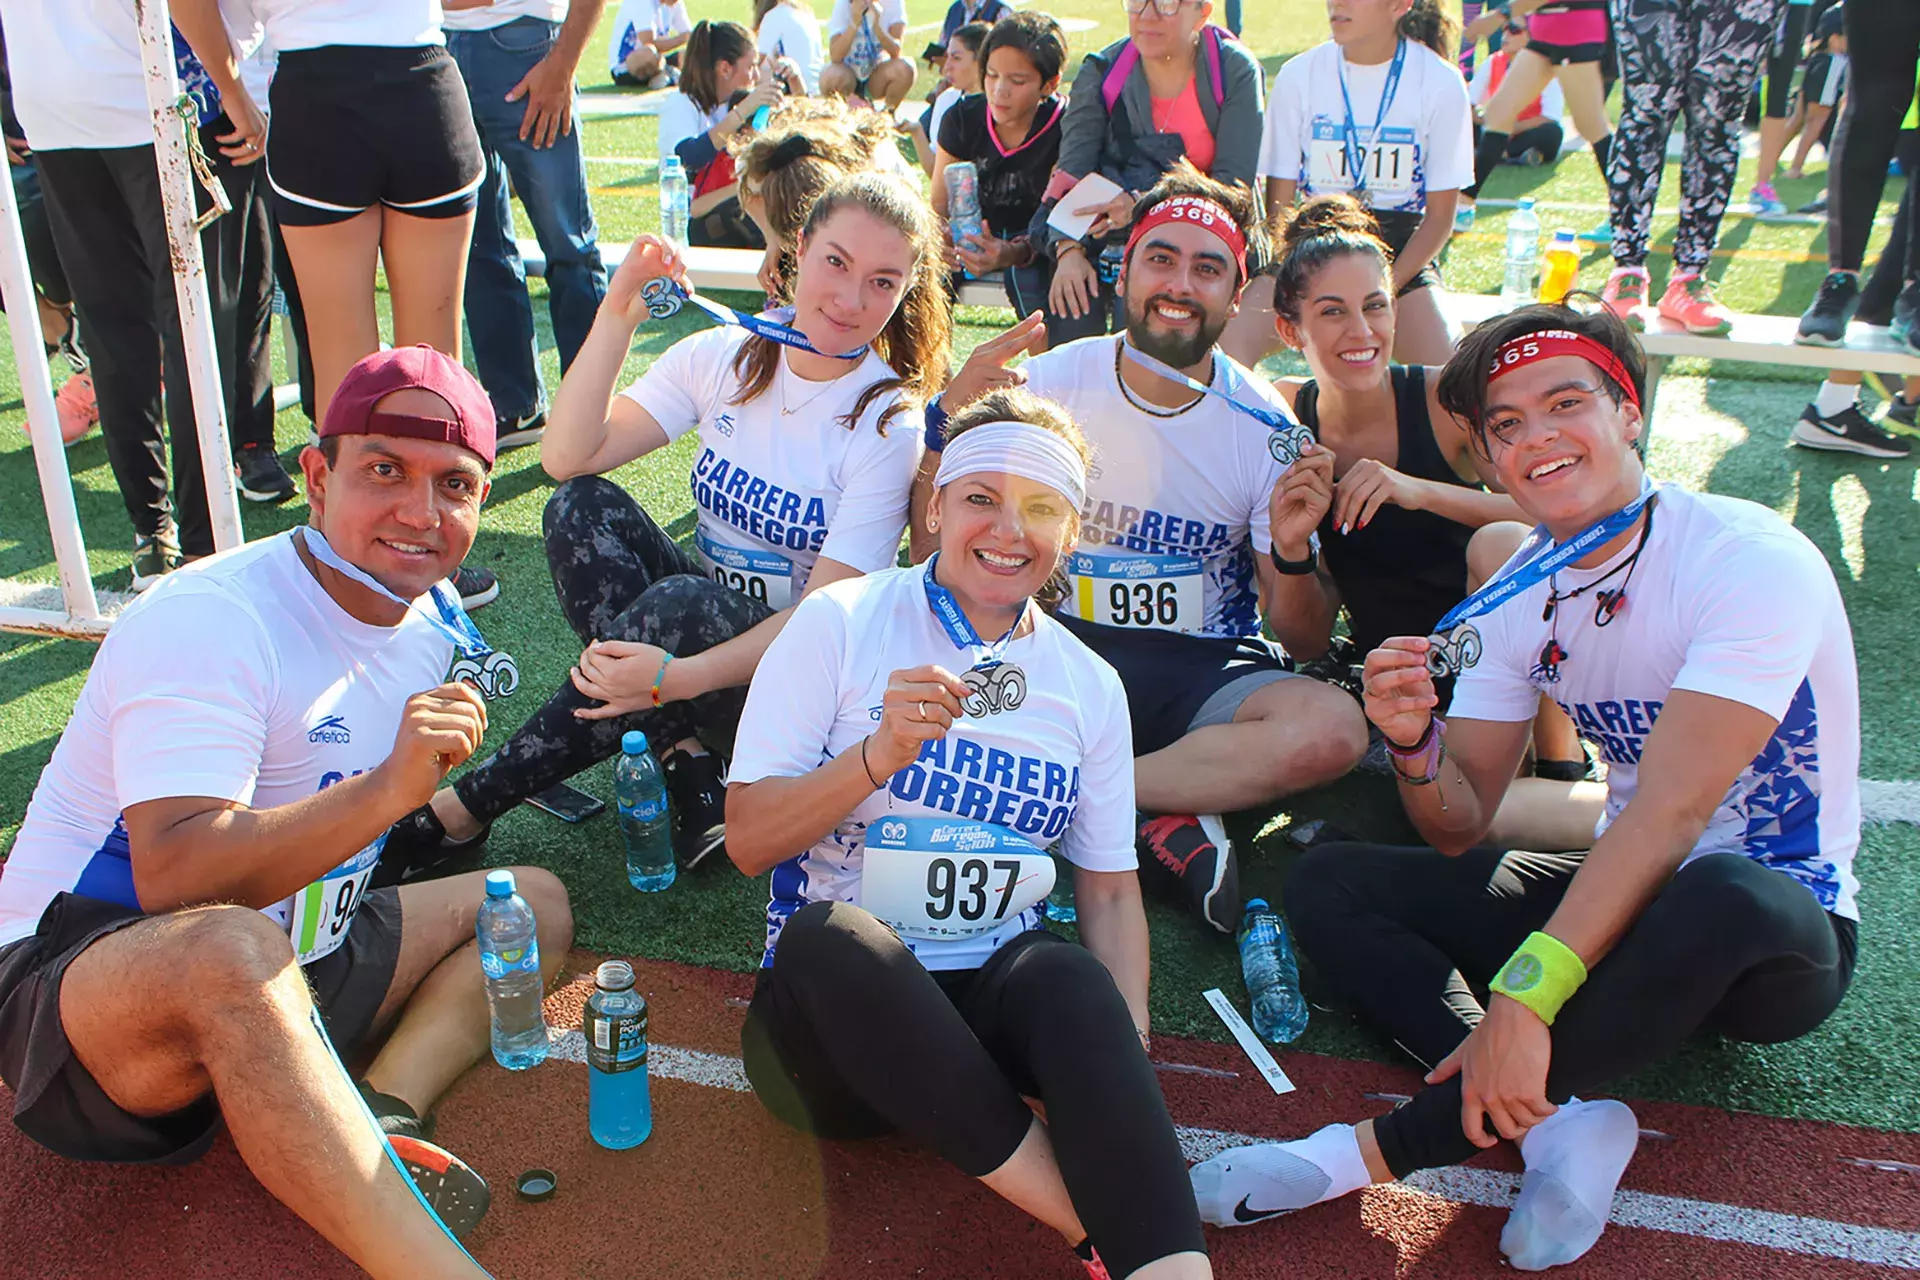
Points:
x=1425, y=756
x=661, y=678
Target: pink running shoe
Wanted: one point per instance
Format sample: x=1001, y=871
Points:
x=79, y=413
x=1689, y=301
x=1096, y=1269
x=1625, y=294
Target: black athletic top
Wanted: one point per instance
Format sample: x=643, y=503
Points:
x=1399, y=574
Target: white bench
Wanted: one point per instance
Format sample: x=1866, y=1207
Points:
x=738, y=269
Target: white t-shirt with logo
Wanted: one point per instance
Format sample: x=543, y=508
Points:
x=1059, y=767
x=1176, y=505
x=238, y=679
x=793, y=33
x=500, y=12
x=1727, y=599
x=782, y=480
x=681, y=118
x=865, y=53
x=643, y=15
x=1425, y=142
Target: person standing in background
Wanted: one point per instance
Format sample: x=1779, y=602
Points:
x=518, y=58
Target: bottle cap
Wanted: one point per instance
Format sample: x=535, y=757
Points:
x=1564, y=237
x=613, y=975
x=1526, y=202
x=537, y=1184
x=1257, y=904
x=633, y=742
x=500, y=884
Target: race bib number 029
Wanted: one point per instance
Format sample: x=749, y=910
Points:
x=1161, y=592
x=1387, y=167
x=323, y=911
x=941, y=880
x=757, y=574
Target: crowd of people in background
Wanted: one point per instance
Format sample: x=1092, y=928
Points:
x=1145, y=586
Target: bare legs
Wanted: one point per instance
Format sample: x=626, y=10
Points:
x=1289, y=736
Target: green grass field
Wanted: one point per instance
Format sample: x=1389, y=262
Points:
x=1721, y=428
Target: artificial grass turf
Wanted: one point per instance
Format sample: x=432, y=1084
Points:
x=1720, y=433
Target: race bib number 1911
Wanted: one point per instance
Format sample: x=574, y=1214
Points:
x=1161, y=592
x=942, y=879
x=1386, y=165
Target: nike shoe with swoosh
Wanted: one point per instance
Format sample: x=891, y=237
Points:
x=1250, y=1184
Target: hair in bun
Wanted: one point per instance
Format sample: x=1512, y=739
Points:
x=1314, y=234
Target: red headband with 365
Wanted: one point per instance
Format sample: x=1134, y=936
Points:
x=1545, y=344
x=1196, y=211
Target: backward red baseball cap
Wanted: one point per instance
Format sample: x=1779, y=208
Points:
x=353, y=411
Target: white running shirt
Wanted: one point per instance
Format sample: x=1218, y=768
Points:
x=1059, y=767
x=1728, y=599
x=237, y=678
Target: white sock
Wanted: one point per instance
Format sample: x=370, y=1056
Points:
x=1574, y=1160
x=1247, y=1184
x=1834, y=397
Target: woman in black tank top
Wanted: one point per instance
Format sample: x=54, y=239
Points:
x=1405, y=527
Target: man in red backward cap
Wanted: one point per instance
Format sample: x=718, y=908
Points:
x=191, y=884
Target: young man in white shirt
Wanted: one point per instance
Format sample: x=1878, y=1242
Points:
x=864, y=57
x=1176, y=565
x=1701, y=643
x=518, y=58
x=647, y=38
x=188, y=892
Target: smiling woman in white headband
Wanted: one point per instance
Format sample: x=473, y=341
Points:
x=908, y=984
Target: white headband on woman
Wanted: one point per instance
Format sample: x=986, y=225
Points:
x=1016, y=449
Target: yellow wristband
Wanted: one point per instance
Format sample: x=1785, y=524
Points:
x=1542, y=974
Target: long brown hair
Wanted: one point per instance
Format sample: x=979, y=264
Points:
x=710, y=43
x=1429, y=24
x=918, y=337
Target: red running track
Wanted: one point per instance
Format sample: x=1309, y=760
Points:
x=721, y=1190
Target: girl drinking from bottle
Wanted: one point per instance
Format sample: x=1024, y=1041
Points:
x=912, y=742
x=801, y=477
x=720, y=91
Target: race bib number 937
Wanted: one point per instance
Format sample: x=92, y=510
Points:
x=940, y=879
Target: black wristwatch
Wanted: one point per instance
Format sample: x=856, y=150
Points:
x=1293, y=568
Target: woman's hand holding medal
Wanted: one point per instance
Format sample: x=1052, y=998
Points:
x=650, y=258
x=920, y=705
x=1397, y=689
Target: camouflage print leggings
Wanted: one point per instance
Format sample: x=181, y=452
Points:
x=1700, y=56
x=619, y=577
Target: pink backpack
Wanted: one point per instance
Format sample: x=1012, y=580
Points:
x=1123, y=65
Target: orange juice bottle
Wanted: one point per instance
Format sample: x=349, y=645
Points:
x=1562, y=267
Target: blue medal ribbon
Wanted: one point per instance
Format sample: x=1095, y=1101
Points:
x=664, y=298
x=1289, y=439
x=1356, y=158
x=452, y=622
x=959, y=629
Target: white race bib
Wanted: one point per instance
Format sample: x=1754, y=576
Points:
x=944, y=878
x=1387, y=165
x=1159, y=592
x=753, y=572
x=323, y=911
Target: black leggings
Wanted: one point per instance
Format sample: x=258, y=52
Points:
x=1776, y=86
x=1409, y=936
x=619, y=577
x=848, y=1037
x=1883, y=46
x=1899, y=259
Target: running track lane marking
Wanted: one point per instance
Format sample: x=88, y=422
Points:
x=1701, y=1219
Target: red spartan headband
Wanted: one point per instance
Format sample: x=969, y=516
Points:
x=1545, y=344
x=1197, y=211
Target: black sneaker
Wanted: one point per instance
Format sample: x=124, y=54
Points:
x=417, y=848
x=262, y=478
x=1901, y=414
x=477, y=587
x=517, y=433
x=1824, y=324
x=458, y=1194
x=154, y=558
x=1816, y=205
x=1848, y=431
x=396, y=1118
x=1189, y=858
x=698, y=788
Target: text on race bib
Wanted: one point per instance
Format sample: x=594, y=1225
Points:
x=941, y=880
x=1387, y=165
x=754, y=572
x=323, y=911
x=1164, y=593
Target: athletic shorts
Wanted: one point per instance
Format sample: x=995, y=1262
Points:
x=1561, y=55
x=1825, y=81
x=1397, y=229
x=356, y=126
x=1178, y=683
x=60, y=1106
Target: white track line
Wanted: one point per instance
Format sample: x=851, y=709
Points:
x=1700, y=1219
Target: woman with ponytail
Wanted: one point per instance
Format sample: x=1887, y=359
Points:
x=808, y=145
x=721, y=88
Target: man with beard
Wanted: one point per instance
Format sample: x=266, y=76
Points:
x=1175, y=566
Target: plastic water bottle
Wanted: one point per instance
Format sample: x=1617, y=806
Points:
x=619, y=1111
x=1523, y=254
x=1060, y=902
x=510, y=958
x=1272, y=975
x=675, y=200
x=1563, y=267
x=641, y=795
x=963, y=202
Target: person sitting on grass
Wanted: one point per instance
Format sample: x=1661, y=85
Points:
x=961, y=68
x=864, y=59
x=187, y=904
x=898, y=990
x=1701, y=642
x=722, y=88
x=648, y=38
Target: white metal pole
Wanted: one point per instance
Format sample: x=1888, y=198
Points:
x=189, y=271
x=43, y=421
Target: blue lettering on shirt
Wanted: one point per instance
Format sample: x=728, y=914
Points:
x=757, y=507
x=1619, y=728
x=1025, y=794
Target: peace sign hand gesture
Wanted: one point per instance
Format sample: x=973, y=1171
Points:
x=986, y=367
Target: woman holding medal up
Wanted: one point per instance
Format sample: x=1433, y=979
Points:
x=1701, y=643
x=809, y=436
x=912, y=743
